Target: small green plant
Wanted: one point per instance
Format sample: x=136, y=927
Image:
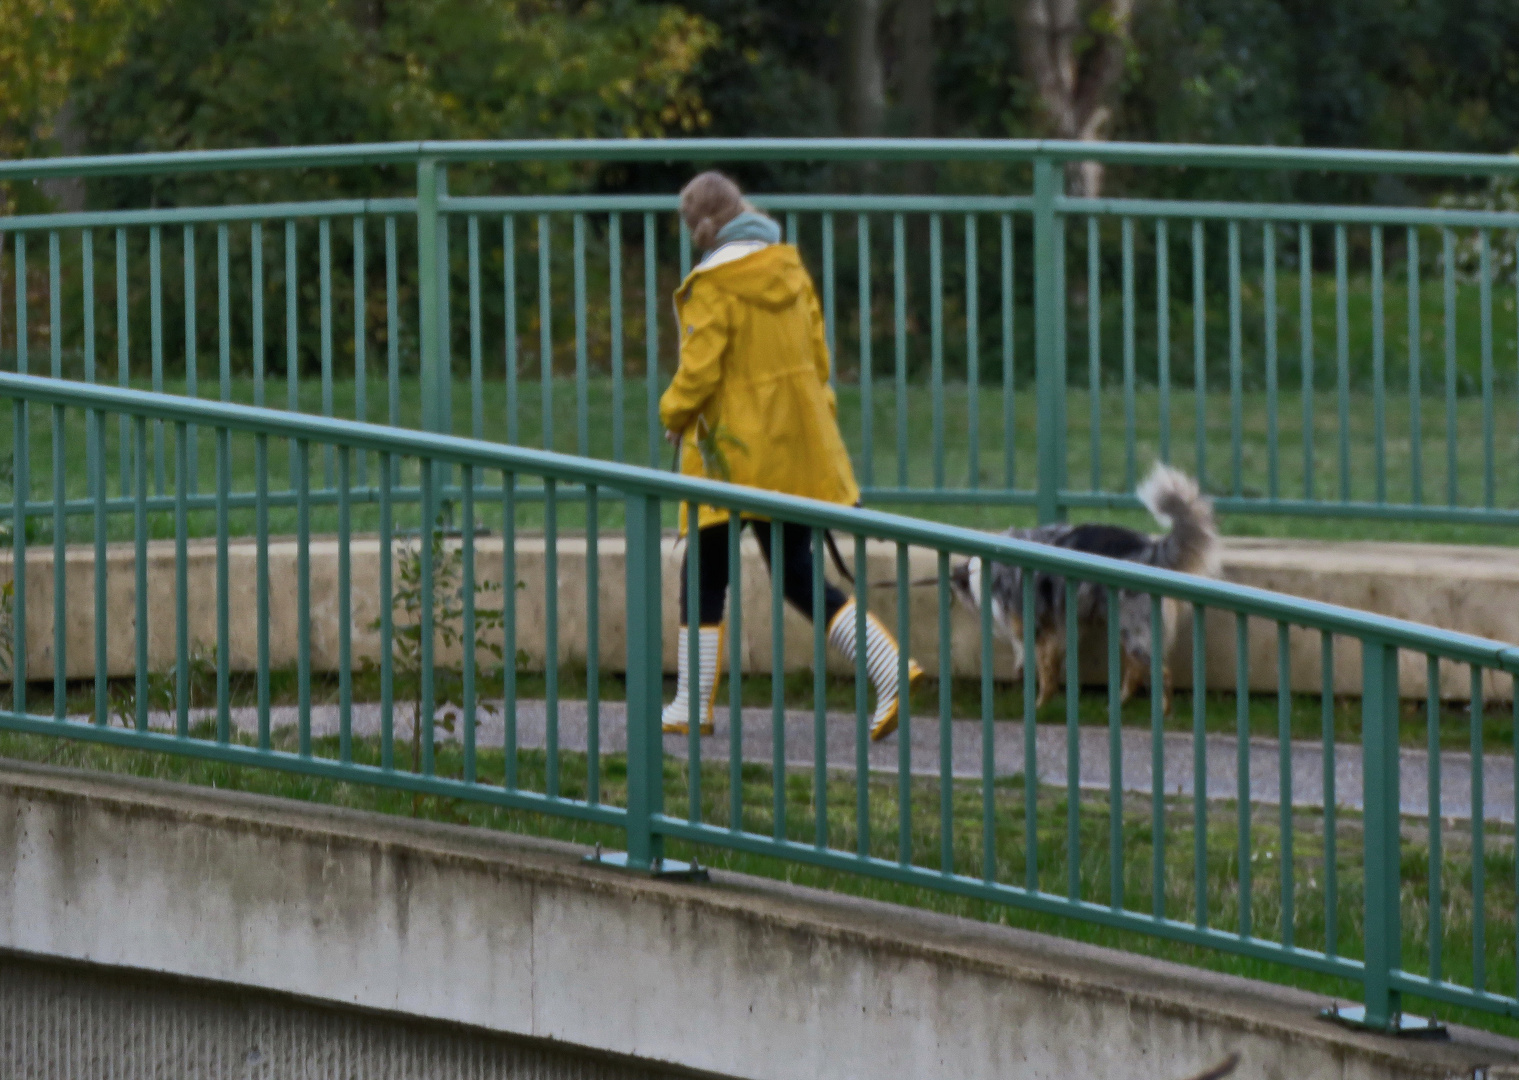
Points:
x=7, y=627
x=448, y=611
x=710, y=443
x=163, y=687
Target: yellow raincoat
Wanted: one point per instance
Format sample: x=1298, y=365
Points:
x=751, y=396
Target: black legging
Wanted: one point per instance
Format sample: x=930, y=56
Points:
x=796, y=551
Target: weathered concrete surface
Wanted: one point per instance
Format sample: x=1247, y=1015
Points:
x=85, y=1021
x=1473, y=589
x=741, y=977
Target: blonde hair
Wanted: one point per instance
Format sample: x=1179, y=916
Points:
x=708, y=202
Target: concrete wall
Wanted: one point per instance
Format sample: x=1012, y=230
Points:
x=740, y=977
x=67, y=1020
x=1472, y=589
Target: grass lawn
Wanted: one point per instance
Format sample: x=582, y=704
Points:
x=901, y=445
x=1225, y=900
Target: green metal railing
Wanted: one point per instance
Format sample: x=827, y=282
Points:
x=1321, y=891
x=1351, y=361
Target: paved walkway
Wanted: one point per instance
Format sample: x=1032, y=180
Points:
x=1221, y=754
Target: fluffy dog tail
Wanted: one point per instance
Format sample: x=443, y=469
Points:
x=1179, y=505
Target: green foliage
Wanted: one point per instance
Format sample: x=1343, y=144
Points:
x=449, y=600
x=7, y=627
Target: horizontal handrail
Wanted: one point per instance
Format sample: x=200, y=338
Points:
x=193, y=215
x=987, y=150
x=671, y=487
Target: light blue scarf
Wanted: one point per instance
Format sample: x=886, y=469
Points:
x=750, y=225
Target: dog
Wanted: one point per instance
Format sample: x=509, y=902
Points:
x=1190, y=546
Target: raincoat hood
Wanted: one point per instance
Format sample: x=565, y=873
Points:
x=772, y=277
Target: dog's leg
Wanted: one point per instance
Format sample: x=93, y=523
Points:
x=1135, y=671
x=1165, y=689
x=1051, y=650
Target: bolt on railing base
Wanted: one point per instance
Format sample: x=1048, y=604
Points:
x=1402, y=1024
x=667, y=869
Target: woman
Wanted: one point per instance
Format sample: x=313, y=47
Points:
x=750, y=404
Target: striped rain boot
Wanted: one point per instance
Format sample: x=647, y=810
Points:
x=882, y=663
x=709, y=646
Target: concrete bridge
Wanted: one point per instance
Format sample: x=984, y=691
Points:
x=150, y=929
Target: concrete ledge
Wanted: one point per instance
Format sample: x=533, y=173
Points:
x=743, y=977
x=1471, y=589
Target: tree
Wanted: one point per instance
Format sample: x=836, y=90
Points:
x=1075, y=53
x=863, y=89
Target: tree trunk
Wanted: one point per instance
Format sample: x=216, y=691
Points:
x=864, y=89
x=915, y=30
x=1076, y=87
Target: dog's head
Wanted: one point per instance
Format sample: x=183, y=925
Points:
x=965, y=583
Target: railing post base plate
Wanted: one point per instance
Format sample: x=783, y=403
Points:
x=665, y=869
x=1402, y=1024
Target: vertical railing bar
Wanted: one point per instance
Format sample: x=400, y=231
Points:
x=509, y=319
x=1415, y=387
x=1199, y=354
x=777, y=682
x=256, y=289
x=1115, y=750
x=861, y=702
x=1130, y=434
x=819, y=695
x=345, y=605
x=55, y=302
x=1200, y=765
x=1485, y=300
x=192, y=374
x=23, y=330
x=1159, y=688
x=360, y=340
x=551, y=634
x=181, y=582
x=476, y=336
x=1163, y=332
x=1451, y=464
x=509, y=626
x=1284, y=781
x=392, y=334
x=545, y=334
x=973, y=349
x=123, y=350
x=582, y=372
x=1342, y=352
x=139, y=568
x=593, y=642
x=1009, y=403
x=651, y=339
x=904, y=718
x=1030, y=736
x=792, y=237
x=303, y=592
x=1273, y=386
x=1378, y=367
x=685, y=244
x=60, y=566
x=1436, y=807
x=936, y=339
x=102, y=709
x=735, y=674
x=1236, y=368
x=899, y=298
x=223, y=587
x=830, y=300
x=427, y=536
x=261, y=583
x=1242, y=764
x=1094, y=349
x=867, y=379
x=292, y=344
x=988, y=733
x=614, y=299
x=468, y=594
x=1072, y=743
x=1479, y=838
x=695, y=700
x=946, y=722
x=324, y=295
x=156, y=335
x=1305, y=347
x=1331, y=801
x=223, y=312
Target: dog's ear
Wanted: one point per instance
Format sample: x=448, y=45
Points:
x=959, y=576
